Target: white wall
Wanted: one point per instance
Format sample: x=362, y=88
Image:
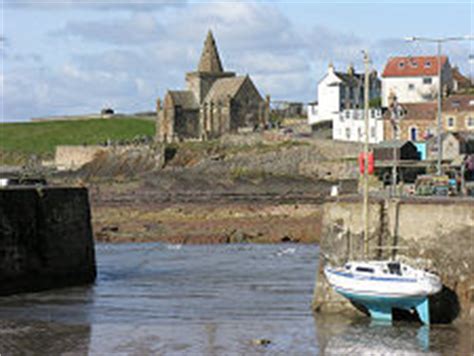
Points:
x=401, y=87
x=328, y=98
x=312, y=112
x=349, y=126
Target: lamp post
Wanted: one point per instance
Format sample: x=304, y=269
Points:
x=439, y=42
x=366, y=152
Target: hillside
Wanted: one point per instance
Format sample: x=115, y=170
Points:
x=18, y=141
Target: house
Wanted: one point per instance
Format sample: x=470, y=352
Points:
x=415, y=79
x=454, y=145
x=416, y=122
x=341, y=90
x=350, y=126
x=460, y=82
x=215, y=102
x=458, y=113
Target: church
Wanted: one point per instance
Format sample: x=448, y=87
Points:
x=215, y=102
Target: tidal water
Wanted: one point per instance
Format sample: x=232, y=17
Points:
x=205, y=300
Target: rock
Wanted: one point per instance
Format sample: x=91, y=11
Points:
x=261, y=342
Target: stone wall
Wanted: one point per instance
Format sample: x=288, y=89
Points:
x=74, y=157
x=45, y=239
x=436, y=234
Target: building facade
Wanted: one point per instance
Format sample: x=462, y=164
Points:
x=458, y=113
x=338, y=91
x=419, y=121
x=415, y=79
x=214, y=102
x=350, y=126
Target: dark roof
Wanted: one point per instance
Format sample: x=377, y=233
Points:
x=184, y=98
x=350, y=79
x=224, y=88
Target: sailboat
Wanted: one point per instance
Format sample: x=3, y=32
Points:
x=381, y=286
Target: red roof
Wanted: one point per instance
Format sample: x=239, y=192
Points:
x=425, y=66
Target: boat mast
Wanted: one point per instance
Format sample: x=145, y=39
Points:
x=366, y=154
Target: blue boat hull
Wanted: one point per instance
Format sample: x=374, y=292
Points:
x=380, y=308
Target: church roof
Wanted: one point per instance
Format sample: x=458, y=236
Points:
x=184, y=98
x=224, y=88
x=210, y=61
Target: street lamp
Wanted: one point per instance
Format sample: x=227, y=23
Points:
x=439, y=41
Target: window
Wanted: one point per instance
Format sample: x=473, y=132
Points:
x=427, y=80
x=451, y=122
x=401, y=65
x=359, y=132
x=428, y=64
x=372, y=114
x=372, y=132
x=456, y=104
x=411, y=86
x=365, y=269
x=413, y=133
x=348, y=133
x=414, y=64
x=348, y=114
x=470, y=122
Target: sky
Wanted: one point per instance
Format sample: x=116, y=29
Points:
x=68, y=57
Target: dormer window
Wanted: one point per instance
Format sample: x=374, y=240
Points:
x=401, y=65
x=414, y=64
x=428, y=64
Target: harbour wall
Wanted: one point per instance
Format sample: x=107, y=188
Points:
x=436, y=234
x=46, y=239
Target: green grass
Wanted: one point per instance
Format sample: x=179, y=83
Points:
x=41, y=138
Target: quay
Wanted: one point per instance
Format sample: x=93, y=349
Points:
x=46, y=239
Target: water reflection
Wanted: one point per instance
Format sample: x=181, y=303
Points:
x=204, y=300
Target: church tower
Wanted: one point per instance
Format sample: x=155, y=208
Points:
x=209, y=70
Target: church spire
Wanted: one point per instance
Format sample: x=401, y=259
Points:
x=210, y=61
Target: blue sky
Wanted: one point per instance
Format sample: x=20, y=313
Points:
x=78, y=56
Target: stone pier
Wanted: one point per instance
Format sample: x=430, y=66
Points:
x=46, y=239
x=436, y=234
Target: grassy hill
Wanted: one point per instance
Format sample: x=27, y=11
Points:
x=18, y=141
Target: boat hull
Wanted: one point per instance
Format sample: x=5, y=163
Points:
x=381, y=294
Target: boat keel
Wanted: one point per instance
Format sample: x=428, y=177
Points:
x=423, y=310
x=384, y=314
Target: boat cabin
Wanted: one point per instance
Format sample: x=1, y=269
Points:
x=377, y=268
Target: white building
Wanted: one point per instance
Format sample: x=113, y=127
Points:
x=415, y=79
x=338, y=91
x=312, y=112
x=350, y=126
